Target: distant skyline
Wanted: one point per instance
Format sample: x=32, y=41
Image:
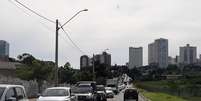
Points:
x=112, y=24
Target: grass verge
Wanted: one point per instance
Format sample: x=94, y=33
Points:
x=161, y=96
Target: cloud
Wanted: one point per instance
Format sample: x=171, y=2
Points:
x=113, y=24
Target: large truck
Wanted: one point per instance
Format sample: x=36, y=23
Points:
x=113, y=83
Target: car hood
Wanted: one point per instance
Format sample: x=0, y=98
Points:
x=101, y=92
x=53, y=98
x=109, y=91
x=83, y=94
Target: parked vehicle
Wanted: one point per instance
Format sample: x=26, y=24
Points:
x=86, y=92
x=57, y=94
x=12, y=93
x=101, y=93
x=131, y=94
x=109, y=92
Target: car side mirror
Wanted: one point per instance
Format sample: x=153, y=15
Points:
x=11, y=99
x=72, y=94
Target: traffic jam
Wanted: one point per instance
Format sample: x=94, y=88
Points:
x=82, y=91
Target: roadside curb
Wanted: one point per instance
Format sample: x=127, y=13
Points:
x=143, y=97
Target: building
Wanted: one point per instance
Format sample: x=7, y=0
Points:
x=8, y=69
x=172, y=61
x=104, y=58
x=135, y=57
x=84, y=61
x=199, y=60
x=158, y=53
x=151, y=54
x=4, y=50
x=188, y=54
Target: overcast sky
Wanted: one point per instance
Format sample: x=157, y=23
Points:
x=112, y=24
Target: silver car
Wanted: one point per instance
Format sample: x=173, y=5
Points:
x=57, y=94
x=12, y=93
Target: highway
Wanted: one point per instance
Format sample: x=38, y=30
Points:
x=120, y=97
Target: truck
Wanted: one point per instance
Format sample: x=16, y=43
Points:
x=113, y=83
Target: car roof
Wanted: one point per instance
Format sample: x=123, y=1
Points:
x=99, y=85
x=134, y=89
x=59, y=88
x=9, y=85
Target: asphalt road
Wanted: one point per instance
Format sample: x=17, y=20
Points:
x=120, y=96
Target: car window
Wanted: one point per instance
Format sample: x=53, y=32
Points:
x=10, y=93
x=20, y=93
x=100, y=89
x=55, y=92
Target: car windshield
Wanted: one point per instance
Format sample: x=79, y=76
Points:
x=100, y=89
x=55, y=92
x=1, y=91
x=82, y=89
x=111, y=86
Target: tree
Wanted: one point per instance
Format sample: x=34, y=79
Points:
x=33, y=69
x=135, y=74
x=68, y=75
x=26, y=58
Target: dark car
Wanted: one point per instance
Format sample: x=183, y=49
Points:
x=131, y=94
x=85, y=91
x=101, y=93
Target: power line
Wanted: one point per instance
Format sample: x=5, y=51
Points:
x=35, y=12
x=65, y=32
x=73, y=42
x=44, y=25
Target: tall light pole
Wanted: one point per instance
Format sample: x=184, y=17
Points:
x=56, y=43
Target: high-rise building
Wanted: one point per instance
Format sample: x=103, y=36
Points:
x=84, y=61
x=188, y=54
x=158, y=53
x=171, y=61
x=104, y=58
x=4, y=50
x=135, y=57
x=151, y=53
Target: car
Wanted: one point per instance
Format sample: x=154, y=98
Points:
x=85, y=92
x=101, y=93
x=109, y=92
x=12, y=93
x=57, y=94
x=131, y=94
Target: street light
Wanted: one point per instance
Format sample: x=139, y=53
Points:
x=56, y=44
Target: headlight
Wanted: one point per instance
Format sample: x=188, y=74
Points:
x=68, y=99
x=89, y=96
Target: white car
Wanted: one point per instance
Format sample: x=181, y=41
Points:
x=12, y=93
x=109, y=92
x=57, y=94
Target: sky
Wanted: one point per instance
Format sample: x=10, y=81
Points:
x=109, y=24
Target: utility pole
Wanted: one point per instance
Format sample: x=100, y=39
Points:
x=56, y=45
x=56, y=53
x=93, y=69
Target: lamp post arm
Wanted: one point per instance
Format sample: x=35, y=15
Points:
x=73, y=17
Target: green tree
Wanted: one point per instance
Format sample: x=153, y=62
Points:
x=68, y=75
x=33, y=69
